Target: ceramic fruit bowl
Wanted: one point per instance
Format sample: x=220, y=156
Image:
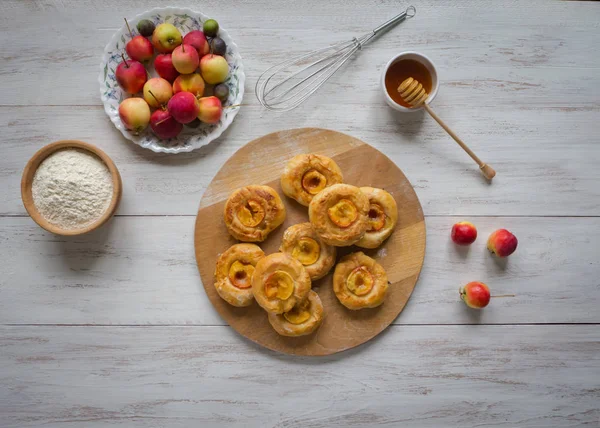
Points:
x=190, y=138
x=38, y=158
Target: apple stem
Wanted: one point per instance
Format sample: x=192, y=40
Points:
x=128, y=28
x=164, y=120
x=124, y=60
x=153, y=96
x=504, y=295
x=182, y=48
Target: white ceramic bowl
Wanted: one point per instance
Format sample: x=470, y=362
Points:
x=189, y=139
x=416, y=57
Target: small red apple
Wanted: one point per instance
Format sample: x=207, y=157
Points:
x=189, y=83
x=135, y=114
x=214, y=69
x=464, y=233
x=185, y=58
x=163, y=64
x=166, y=37
x=140, y=49
x=157, y=92
x=198, y=40
x=475, y=294
x=131, y=76
x=183, y=106
x=502, y=243
x=210, y=110
x=164, y=125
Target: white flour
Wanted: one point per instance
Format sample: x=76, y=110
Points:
x=72, y=188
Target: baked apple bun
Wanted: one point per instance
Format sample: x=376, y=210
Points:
x=233, y=274
x=279, y=283
x=303, y=319
x=252, y=212
x=306, y=175
x=359, y=282
x=383, y=216
x=339, y=214
x=302, y=243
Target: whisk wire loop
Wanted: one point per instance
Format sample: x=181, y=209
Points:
x=287, y=85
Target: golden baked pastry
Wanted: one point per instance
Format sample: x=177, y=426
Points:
x=302, y=243
x=383, y=216
x=306, y=175
x=233, y=274
x=339, y=214
x=279, y=283
x=252, y=212
x=359, y=281
x=303, y=319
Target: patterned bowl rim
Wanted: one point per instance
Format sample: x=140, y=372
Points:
x=216, y=133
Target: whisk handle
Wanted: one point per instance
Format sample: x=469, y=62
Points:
x=408, y=13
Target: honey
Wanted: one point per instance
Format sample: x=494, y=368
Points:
x=402, y=70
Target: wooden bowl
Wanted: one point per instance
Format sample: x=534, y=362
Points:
x=34, y=163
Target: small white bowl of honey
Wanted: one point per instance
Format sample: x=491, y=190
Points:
x=405, y=65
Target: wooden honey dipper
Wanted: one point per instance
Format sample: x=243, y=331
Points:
x=413, y=93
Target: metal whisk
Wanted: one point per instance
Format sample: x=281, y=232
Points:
x=287, y=85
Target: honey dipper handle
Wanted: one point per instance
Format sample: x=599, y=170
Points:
x=487, y=171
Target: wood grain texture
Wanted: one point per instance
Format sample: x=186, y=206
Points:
x=505, y=81
x=468, y=36
x=547, y=156
x=519, y=82
x=428, y=376
x=142, y=271
x=262, y=161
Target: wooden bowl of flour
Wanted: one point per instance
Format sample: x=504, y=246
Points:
x=75, y=196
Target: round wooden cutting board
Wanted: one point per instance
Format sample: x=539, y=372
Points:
x=261, y=162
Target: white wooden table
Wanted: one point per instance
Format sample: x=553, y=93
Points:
x=114, y=328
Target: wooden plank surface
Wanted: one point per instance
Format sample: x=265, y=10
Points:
x=502, y=75
x=547, y=169
x=467, y=37
x=429, y=376
x=141, y=270
x=114, y=328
